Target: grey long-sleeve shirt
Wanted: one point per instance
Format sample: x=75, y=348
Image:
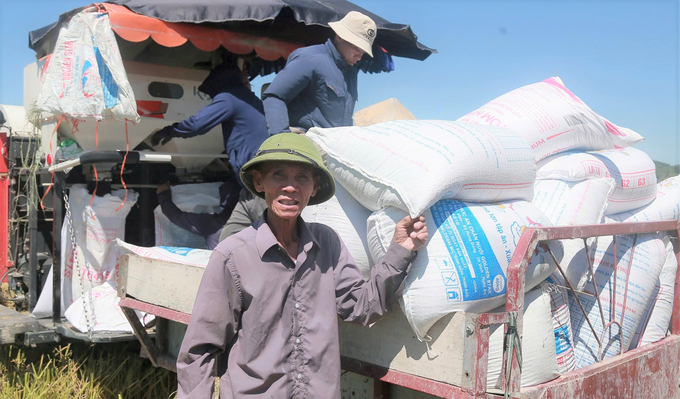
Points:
x=273, y=321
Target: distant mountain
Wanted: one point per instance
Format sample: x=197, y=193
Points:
x=664, y=170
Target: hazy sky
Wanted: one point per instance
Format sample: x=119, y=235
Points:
x=622, y=58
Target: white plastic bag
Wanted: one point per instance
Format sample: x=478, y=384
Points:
x=666, y=205
x=657, y=317
x=106, y=315
x=411, y=164
x=552, y=119
x=568, y=203
x=561, y=319
x=96, y=227
x=633, y=171
x=642, y=276
x=194, y=198
x=463, y=266
x=187, y=256
x=539, y=359
x=85, y=77
x=348, y=218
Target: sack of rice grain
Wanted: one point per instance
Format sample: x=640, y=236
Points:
x=552, y=119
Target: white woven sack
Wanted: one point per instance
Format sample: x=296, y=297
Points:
x=96, y=228
x=657, y=317
x=105, y=314
x=633, y=171
x=642, y=275
x=411, y=164
x=348, y=218
x=187, y=256
x=194, y=198
x=568, y=203
x=561, y=319
x=539, y=360
x=666, y=205
x=85, y=77
x=463, y=267
x=552, y=119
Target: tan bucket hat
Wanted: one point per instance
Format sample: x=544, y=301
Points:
x=358, y=29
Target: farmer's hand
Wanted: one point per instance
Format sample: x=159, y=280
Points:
x=411, y=233
x=163, y=187
x=162, y=136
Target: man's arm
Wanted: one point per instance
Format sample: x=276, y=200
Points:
x=286, y=86
x=366, y=301
x=211, y=330
x=219, y=110
x=203, y=224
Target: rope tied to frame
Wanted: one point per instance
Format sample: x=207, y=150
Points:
x=512, y=345
x=122, y=167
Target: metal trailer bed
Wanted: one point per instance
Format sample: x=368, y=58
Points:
x=389, y=353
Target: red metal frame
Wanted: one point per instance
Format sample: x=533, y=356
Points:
x=157, y=311
x=5, y=263
x=643, y=370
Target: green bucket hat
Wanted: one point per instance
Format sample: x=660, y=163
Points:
x=291, y=147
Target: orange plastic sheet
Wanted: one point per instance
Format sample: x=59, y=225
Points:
x=136, y=28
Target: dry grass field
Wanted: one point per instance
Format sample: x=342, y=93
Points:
x=80, y=371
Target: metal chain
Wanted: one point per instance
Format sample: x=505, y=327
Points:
x=88, y=323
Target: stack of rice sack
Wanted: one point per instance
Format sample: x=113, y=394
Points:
x=582, y=175
x=585, y=169
x=579, y=188
x=656, y=315
x=472, y=184
x=619, y=185
x=473, y=180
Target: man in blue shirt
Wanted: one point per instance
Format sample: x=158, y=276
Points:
x=235, y=107
x=318, y=86
x=244, y=128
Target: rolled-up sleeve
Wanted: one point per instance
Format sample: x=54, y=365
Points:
x=366, y=301
x=286, y=86
x=212, y=328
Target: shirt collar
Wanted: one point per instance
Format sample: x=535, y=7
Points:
x=335, y=54
x=265, y=239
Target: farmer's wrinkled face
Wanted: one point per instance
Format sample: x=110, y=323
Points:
x=351, y=53
x=287, y=187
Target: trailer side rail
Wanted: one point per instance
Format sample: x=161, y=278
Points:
x=649, y=369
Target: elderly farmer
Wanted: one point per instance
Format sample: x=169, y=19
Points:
x=318, y=86
x=265, y=317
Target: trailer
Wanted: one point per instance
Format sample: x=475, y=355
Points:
x=381, y=361
x=387, y=360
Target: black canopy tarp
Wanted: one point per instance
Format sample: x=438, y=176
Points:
x=302, y=21
x=297, y=21
x=285, y=19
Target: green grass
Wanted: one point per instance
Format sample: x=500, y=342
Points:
x=81, y=371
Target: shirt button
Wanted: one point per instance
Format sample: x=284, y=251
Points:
x=299, y=376
x=297, y=341
x=297, y=305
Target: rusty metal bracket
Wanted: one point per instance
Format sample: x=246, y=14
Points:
x=141, y=334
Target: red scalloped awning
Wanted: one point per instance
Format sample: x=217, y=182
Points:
x=136, y=28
